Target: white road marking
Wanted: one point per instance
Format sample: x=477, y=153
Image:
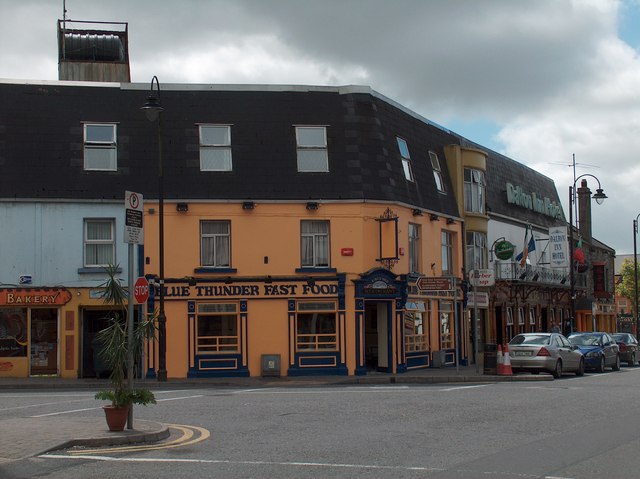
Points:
x=66, y=412
x=456, y=388
x=183, y=397
x=94, y=408
x=327, y=465
x=43, y=404
x=252, y=463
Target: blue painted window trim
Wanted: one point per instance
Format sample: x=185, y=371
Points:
x=212, y=270
x=316, y=270
x=95, y=270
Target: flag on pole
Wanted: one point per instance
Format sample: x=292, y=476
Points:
x=528, y=246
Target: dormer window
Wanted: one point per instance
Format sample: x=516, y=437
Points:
x=100, y=147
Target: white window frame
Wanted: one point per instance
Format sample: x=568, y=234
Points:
x=405, y=156
x=509, y=316
x=315, y=259
x=437, y=171
x=110, y=243
x=474, y=190
x=215, y=256
x=520, y=316
x=477, y=254
x=312, y=157
x=532, y=317
x=221, y=149
x=100, y=153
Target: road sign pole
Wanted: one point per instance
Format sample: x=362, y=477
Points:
x=130, y=336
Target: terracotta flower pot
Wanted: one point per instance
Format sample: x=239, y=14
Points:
x=116, y=417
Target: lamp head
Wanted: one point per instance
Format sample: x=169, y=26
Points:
x=599, y=196
x=152, y=108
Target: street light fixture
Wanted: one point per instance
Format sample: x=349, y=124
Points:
x=635, y=274
x=152, y=109
x=599, y=196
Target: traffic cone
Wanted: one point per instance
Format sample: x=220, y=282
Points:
x=499, y=361
x=506, y=367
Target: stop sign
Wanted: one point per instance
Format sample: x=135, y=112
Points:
x=141, y=290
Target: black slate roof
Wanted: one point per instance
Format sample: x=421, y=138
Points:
x=41, y=144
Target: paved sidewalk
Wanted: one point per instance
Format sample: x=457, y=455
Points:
x=27, y=436
x=24, y=437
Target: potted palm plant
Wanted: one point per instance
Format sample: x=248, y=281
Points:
x=114, y=344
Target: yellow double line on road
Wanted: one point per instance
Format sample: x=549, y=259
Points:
x=187, y=439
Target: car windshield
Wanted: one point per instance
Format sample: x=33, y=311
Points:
x=532, y=339
x=584, y=340
x=620, y=337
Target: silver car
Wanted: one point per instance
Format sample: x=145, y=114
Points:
x=548, y=352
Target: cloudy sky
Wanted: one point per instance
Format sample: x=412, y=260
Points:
x=537, y=80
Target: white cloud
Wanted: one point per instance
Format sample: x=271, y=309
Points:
x=553, y=75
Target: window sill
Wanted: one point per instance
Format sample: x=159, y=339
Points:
x=95, y=270
x=213, y=270
x=316, y=270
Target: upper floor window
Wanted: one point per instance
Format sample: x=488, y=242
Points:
x=311, y=143
x=474, y=190
x=447, y=252
x=215, y=243
x=215, y=147
x=414, y=248
x=406, y=158
x=314, y=244
x=476, y=250
x=100, y=147
x=99, y=243
x=437, y=171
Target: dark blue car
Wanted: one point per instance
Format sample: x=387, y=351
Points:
x=599, y=350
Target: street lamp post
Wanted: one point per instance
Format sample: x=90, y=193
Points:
x=635, y=275
x=599, y=196
x=153, y=109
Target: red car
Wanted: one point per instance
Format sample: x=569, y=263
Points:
x=628, y=347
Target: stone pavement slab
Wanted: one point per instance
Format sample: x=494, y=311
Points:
x=22, y=437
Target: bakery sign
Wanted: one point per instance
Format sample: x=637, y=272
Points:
x=34, y=297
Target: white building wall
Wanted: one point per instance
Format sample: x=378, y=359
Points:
x=45, y=240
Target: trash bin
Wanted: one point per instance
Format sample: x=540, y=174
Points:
x=490, y=359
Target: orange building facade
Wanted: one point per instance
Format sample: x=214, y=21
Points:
x=268, y=312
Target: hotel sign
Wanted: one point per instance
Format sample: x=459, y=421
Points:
x=516, y=195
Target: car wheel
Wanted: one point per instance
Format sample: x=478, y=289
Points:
x=616, y=365
x=580, y=371
x=557, y=372
x=600, y=367
x=632, y=361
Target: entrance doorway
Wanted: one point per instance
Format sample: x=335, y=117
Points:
x=92, y=322
x=377, y=336
x=44, y=342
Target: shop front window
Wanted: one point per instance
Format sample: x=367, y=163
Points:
x=316, y=326
x=217, y=328
x=446, y=326
x=415, y=338
x=13, y=333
